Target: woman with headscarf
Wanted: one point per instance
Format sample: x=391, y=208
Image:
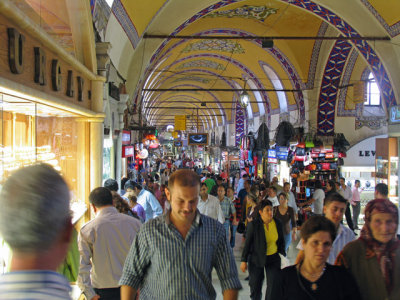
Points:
x=374, y=259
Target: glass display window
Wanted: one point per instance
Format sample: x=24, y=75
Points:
x=32, y=132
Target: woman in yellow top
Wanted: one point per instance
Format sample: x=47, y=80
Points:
x=264, y=242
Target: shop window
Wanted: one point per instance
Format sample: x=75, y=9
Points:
x=373, y=95
x=31, y=132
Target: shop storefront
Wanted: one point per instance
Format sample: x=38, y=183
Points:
x=50, y=111
x=360, y=163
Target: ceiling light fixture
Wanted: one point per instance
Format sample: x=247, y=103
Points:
x=267, y=43
x=244, y=97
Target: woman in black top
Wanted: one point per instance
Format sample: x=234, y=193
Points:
x=313, y=278
x=264, y=242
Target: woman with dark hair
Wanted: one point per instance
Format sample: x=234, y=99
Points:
x=330, y=188
x=313, y=278
x=136, y=208
x=264, y=242
x=374, y=259
x=285, y=214
x=121, y=205
x=251, y=201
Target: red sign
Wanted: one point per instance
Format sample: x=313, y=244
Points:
x=128, y=151
x=126, y=137
x=272, y=160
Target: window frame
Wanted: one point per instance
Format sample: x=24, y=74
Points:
x=371, y=80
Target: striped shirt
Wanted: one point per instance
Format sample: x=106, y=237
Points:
x=227, y=207
x=165, y=266
x=344, y=236
x=34, y=284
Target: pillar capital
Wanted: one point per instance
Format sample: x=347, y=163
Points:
x=103, y=57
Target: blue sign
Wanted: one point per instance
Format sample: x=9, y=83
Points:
x=271, y=153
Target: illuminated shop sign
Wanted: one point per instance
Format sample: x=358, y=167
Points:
x=128, y=151
x=126, y=137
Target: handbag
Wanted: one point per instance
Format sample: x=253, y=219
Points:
x=241, y=227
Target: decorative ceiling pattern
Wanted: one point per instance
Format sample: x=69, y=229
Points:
x=259, y=13
x=366, y=50
x=126, y=23
x=231, y=64
x=202, y=63
x=215, y=45
x=330, y=86
x=394, y=8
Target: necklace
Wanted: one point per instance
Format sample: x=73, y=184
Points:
x=314, y=276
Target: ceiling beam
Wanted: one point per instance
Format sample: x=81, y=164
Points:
x=252, y=37
x=221, y=90
x=182, y=107
x=191, y=116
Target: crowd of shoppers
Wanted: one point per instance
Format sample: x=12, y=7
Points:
x=157, y=241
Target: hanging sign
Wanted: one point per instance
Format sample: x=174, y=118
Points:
x=272, y=156
x=272, y=160
x=180, y=123
x=128, y=151
x=126, y=137
x=282, y=153
x=271, y=153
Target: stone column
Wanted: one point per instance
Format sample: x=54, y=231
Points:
x=96, y=125
x=96, y=136
x=123, y=98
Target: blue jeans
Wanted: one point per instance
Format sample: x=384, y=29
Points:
x=233, y=235
x=288, y=240
x=227, y=225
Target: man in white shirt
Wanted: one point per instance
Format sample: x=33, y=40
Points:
x=104, y=243
x=209, y=205
x=292, y=199
x=334, y=208
x=272, y=191
x=348, y=195
x=317, y=199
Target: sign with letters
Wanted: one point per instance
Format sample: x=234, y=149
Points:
x=362, y=154
x=29, y=63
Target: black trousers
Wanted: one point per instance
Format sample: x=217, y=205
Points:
x=109, y=294
x=349, y=219
x=256, y=277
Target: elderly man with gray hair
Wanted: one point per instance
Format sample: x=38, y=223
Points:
x=35, y=221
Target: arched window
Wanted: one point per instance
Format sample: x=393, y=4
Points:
x=373, y=96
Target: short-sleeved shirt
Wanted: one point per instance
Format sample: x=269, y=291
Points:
x=318, y=204
x=228, y=208
x=34, y=284
x=271, y=236
x=211, y=208
x=165, y=266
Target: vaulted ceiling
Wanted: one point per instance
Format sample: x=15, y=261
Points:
x=160, y=69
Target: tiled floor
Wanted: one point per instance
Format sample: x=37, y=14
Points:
x=244, y=294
